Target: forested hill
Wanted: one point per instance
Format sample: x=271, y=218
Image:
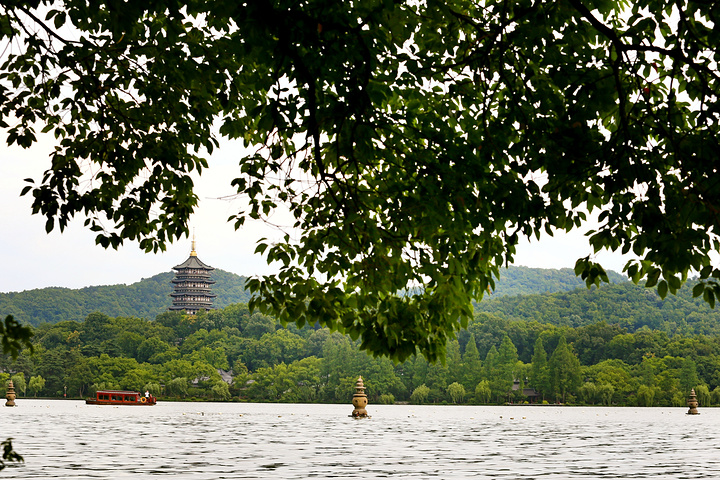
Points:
x=528, y=281
x=626, y=304
x=145, y=299
x=151, y=296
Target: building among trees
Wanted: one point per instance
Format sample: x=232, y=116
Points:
x=191, y=285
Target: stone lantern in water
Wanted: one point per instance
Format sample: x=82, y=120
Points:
x=10, y=395
x=693, y=403
x=359, y=400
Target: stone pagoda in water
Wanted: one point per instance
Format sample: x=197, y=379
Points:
x=191, y=285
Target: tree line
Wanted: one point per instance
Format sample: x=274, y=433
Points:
x=233, y=354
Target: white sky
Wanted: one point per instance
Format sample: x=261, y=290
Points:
x=30, y=258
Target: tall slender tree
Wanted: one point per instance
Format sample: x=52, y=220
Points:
x=564, y=368
x=507, y=364
x=688, y=377
x=454, y=362
x=540, y=371
x=472, y=365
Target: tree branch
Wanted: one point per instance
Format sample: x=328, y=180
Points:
x=46, y=28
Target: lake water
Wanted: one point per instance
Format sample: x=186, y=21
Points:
x=71, y=440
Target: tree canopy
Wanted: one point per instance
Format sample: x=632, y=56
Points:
x=178, y=356
x=414, y=142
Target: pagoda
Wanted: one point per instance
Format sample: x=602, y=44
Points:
x=191, y=285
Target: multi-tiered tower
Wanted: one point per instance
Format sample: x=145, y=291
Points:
x=191, y=285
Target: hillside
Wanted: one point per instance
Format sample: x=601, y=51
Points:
x=145, y=299
x=529, y=281
x=151, y=296
x=626, y=304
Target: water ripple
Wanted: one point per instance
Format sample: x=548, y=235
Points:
x=71, y=440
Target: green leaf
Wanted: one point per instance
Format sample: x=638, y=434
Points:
x=652, y=278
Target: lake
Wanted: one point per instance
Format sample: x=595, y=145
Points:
x=71, y=440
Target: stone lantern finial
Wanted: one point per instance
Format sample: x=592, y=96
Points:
x=10, y=395
x=693, y=403
x=359, y=400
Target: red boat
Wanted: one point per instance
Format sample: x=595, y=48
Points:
x=121, y=397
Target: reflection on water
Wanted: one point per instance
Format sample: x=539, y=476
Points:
x=71, y=440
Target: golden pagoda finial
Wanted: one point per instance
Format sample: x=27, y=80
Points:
x=193, y=253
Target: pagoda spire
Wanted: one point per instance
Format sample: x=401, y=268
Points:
x=193, y=253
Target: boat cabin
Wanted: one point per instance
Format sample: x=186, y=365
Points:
x=120, y=397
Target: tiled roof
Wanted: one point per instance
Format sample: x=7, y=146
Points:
x=193, y=262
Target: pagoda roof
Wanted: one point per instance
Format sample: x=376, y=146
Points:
x=193, y=262
x=208, y=296
x=185, y=278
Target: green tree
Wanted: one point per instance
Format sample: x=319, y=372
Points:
x=345, y=389
x=151, y=349
x=213, y=356
x=422, y=178
x=178, y=386
x=4, y=379
x=703, y=395
x=258, y=325
x=136, y=379
x=472, y=365
x=456, y=392
x=688, y=376
x=508, y=363
x=78, y=375
x=294, y=383
x=453, y=360
x=420, y=370
x=679, y=400
x=380, y=378
x=540, y=371
x=36, y=384
x=129, y=343
x=564, y=369
x=112, y=368
x=499, y=368
x=340, y=360
x=606, y=392
x=274, y=348
x=436, y=380
x=19, y=383
x=483, y=392
x=588, y=392
x=420, y=394
x=646, y=395
x=715, y=395
x=386, y=399
x=492, y=373
x=305, y=375
x=221, y=391
x=612, y=373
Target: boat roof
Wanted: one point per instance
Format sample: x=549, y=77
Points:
x=118, y=391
